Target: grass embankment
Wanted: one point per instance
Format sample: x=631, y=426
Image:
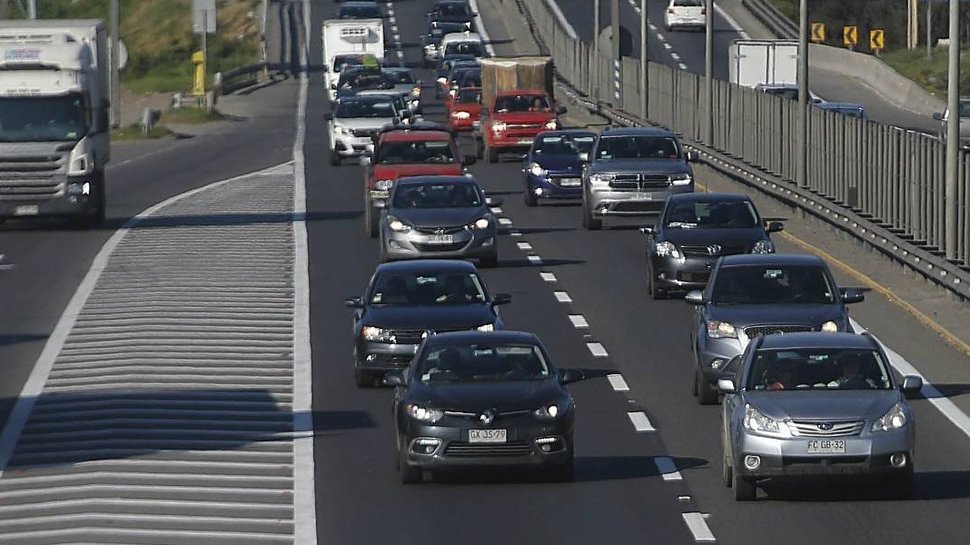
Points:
x=931, y=74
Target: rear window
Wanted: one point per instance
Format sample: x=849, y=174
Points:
x=688, y=3
x=396, y=153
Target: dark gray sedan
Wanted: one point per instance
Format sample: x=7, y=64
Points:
x=439, y=217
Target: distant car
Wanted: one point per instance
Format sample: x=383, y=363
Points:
x=752, y=295
x=465, y=109
x=401, y=107
x=460, y=72
x=439, y=216
x=340, y=62
x=452, y=11
x=553, y=169
x=463, y=43
x=944, y=117
x=632, y=171
x=359, y=9
x=401, y=80
x=813, y=404
x=409, y=300
x=431, y=41
x=845, y=108
x=786, y=90
x=354, y=122
x=360, y=78
x=685, y=14
x=474, y=400
x=694, y=230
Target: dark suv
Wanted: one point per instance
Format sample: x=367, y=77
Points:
x=631, y=172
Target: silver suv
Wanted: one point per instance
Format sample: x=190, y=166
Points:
x=631, y=172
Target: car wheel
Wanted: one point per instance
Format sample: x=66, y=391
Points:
x=744, y=488
x=489, y=262
x=409, y=475
x=529, y=197
x=655, y=292
x=479, y=148
x=491, y=154
x=693, y=389
x=589, y=222
x=705, y=394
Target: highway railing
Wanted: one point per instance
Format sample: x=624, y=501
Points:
x=776, y=21
x=880, y=183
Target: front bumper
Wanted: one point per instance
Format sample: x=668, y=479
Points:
x=465, y=244
x=69, y=200
x=689, y=273
x=555, y=186
x=608, y=201
x=520, y=140
x=699, y=22
x=378, y=358
x=718, y=350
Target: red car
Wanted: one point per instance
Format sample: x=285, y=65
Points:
x=420, y=149
x=514, y=119
x=464, y=109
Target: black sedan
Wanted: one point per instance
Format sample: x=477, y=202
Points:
x=694, y=230
x=407, y=301
x=483, y=400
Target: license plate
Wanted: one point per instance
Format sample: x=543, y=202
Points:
x=826, y=446
x=569, y=182
x=487, y=436
x=26, y=210
x=644, y=197
x=525, y=141
x=441, y=239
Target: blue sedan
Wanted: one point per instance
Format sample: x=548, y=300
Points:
x=553, y=169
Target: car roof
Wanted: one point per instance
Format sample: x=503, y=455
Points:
x=454, y=179
x=415, y=136
x=425, y=265
x=491, y=337
x=776, y=86
x=398, y=69
x=382, y=97
x=463, y=37
x=817, y=339
x=558, y=132
x=709, y=197
x=771, y=259
x=360, y=3
x=636, y=131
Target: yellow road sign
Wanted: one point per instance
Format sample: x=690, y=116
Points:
x=877, y=40
x=818, y=32
x=850, y=36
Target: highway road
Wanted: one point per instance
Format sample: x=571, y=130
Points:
x=647, y=456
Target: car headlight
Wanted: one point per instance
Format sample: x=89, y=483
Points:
x=763, y=247
x=830, y=327
x=442, y=80
x=341, y=131
x=667, y=249
x=894, y=419
x=721, y=330
x=598, y=179
x=756, y=421
x=499, y=126
x=424, y=414
x=684, y=178
x=548, y=412
x=383, y=185
x=487, y=328
x=416, y=92
x=552, y=125
x=461, y=115
x=537, y=170
x=377, y=334
x=480, y=223
x=397, y=225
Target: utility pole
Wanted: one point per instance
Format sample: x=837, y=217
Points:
x=929, y=29
x=31, y=9
x=115, y=62
x=801, y=174
x=952, y=135
x=709, y=72
x=644, y=60
x=615, y=73
x=595, y=69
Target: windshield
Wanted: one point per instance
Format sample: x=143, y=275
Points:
x=43, y=119
x=818, y=369
x=437, y=195
x=397, y=153
x=521, y=103
x=361, y=79
x=711, y=215
x=483, y=363
x=469, y=96
x=427, y=288
x=468, y=78
x=364, y=108
x=638, y=147
x=772, y=285
x=564, y=144
x=465, y=48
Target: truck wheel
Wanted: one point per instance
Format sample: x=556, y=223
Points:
x=705, y=394
x=491, y=154
x=589, y=222
x=744, y=488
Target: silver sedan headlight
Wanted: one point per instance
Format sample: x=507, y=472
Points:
x=667, y=249
x=756, y=421
x=894, y=419
x=397, y=225
x=600, y=179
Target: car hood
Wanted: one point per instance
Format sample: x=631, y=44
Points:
x=393, y=172
x=560, y=163
x=439, y=217
x=498, y=396
x=793, y=314
x=660, y=166
x=823, y=405
x=362, y=122
x=724, y=237
x=434, y=317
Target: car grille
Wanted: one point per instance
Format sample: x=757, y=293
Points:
x=705, y=251
x=364, y=132
x=839, y=429
x=415, y=336
x=575, y=181
x=440, y=230
x=453, y=247
x=30, y=177
x=640, y=181
x=759, y=330
x=693, y=276
x=476, y=450
x=636, y=206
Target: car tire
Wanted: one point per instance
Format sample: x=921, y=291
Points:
x=491, y=154
x=372, y=220
x=479, y=148
x=589, y=222
x=490, y=261
x=409, y=475
x=705, y=394
x=655, y=292
x=529, y=197
x=745, y=488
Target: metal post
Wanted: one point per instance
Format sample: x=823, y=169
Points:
x=801, y=175
x=709, y=73
x=115, y=62
x=952, y=135
x=31, y=9
x=644, y=60
x=595, y=69
x=615, y=73
x=205, y=49
x=929, y=29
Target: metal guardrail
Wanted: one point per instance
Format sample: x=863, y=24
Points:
x=776, y=21
x=239, y=78
x=882, y=184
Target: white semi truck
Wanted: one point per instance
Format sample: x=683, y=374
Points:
x=345, y=40
x=54, y=128
x=765, y=62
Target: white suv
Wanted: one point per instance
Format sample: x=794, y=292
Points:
x=685, y=14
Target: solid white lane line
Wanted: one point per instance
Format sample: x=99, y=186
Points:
x=667, y=468
x=579, y=322
x=618, y=383
x=482, y=30
x=524, y=246
x=667, y=46
x=640, y=421
x=731, y=22
x=554, y=8
x=697, y=525
x=548, y=276
x=563, y=297
x=535, y=260
x=597, y=350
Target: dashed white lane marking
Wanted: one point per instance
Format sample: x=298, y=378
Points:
x=482, y=30
x=652, y=27
x=682, y=66
x=579, y=322
x=5, y=266
x=660, y=36
x=667, y=468
x=535, y=260
x=397, y=40
x=618, y=382
x=548, y=276
x=400, y=54
x=563, y=297
x=496, y=210
x=524, y=246
x=697, y=525
x=394, y=29
x=515, y=233
x=640, y=421
x=504, y=221
x=674, y=55
x=597, y=350
x=668, y=47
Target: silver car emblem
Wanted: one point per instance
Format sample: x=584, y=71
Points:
x=487, y=417
x=826, y=426
x=439, y=231
x=779, y=332
x=714, y=249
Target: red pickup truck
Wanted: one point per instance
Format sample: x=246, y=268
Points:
x=464, y=108
x=514, y=120
x=420, y=149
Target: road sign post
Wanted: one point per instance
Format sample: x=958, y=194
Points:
x=850, y=36
x=203, y=23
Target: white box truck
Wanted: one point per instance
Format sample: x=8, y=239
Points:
x=54, y=128
x=344, y=39
x=770, y=62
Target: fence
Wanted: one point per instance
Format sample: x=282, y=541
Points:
x=889, y=177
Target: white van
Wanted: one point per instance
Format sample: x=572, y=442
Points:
x=464, y=43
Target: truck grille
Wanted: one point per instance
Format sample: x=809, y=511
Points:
x=835, y=429
x=640, y=181
x=474, y=450
x=757, y=331
x=31, y=177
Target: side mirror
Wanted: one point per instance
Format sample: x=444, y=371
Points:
x=648, y=230
x=912, y=384
x=469, y=160
x=726, y=386
x=694, y=297
x=493, y=201
x=394, y=378
x=568, y=376
x=775, y=226
x=561, y=110
x=501, y=298
x=852, y=295
x=328, y=116
x=692, y=157
x=938, y=116
x=584, y=157
x=354, y=302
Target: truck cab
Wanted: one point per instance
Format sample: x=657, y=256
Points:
x=513, y=119
x=348, y=40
